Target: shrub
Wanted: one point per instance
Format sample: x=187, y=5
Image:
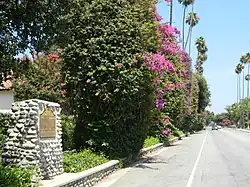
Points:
x=4, y=123
x=14, y=176
x=40, y=78
x=204, y=93
x=178, y=133
x=150, y=141
x=108, y=86
x=185, y=123
x=68, y=127
x=195, y=94
x=199, y=122
x=83, y=160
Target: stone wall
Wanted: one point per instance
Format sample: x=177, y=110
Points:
x=25, y=146
x=86, y=178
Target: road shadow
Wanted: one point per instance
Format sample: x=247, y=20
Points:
x=172, y=145
x=143, y=166
x=156, y=160
x=200, y=132
x=148, y=163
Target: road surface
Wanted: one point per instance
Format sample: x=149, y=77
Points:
x=206, y=159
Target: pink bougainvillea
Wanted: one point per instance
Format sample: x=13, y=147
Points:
x=170, y=67
x=54, y=56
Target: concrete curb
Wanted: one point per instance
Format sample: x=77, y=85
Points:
x=243, y=130
x=147, y=150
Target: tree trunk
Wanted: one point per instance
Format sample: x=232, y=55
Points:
x=248, y=68
x=190, y=41
x=188, y=36
x=237, y=84
x=239, y=87
x=191, y=30
x=243, y=84
x=183, y=26
x=171, y=13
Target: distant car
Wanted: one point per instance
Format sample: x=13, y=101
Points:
x=214, y=127
x=204, y=128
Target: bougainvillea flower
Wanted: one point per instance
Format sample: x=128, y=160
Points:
x=55, y=56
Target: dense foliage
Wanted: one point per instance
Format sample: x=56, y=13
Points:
x=68, y=127
x=108, y=86
x=4, y=123
x=28, y=24
x=77, y=162
x=150, y=141
x=236, y=114
x=40, y=78
x=14, y=176
x=204, y=93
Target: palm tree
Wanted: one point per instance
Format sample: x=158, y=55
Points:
x=237, y=84
x=240, y=68
x=243, y=60
x=201, y=45
x=185, y=4
x=192, y=20
x=248, y=75
x=238, y=71
x=202, y=56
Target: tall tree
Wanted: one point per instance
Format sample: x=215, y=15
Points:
x=28, y=24
x=102, y=73
x=237, y=71
x=185, y=4
x=204, y=94
x=245, y=60
x=171, y=12
x=192, y=20
x=202, y=56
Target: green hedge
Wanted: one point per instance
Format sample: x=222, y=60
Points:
x=83, y=160
x=68, y=127
x=4, y=123
x=177, y=133
x=16, y=177
x=150, y=141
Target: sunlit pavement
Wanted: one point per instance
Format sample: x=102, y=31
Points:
x=206, y=159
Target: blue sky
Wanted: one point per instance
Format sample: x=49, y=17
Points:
x=227, y=36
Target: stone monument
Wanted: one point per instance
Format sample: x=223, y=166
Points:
x=34, y=138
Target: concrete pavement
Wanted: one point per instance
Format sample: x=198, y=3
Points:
x=206, y=159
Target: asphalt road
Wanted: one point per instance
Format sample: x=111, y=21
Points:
x=206, y=159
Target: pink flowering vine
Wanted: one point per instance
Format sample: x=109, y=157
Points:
x=54, y=56
x=166, y=132
x=170, y=66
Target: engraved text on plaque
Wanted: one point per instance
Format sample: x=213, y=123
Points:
x=47, y=124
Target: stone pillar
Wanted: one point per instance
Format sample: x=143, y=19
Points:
x=35, y=137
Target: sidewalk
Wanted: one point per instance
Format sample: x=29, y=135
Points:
x=244, y=130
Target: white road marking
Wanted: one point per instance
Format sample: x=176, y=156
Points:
x=191, y=177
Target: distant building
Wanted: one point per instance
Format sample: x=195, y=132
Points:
x=6, y=94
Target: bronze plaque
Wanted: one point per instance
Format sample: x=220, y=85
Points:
x=47, y=124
